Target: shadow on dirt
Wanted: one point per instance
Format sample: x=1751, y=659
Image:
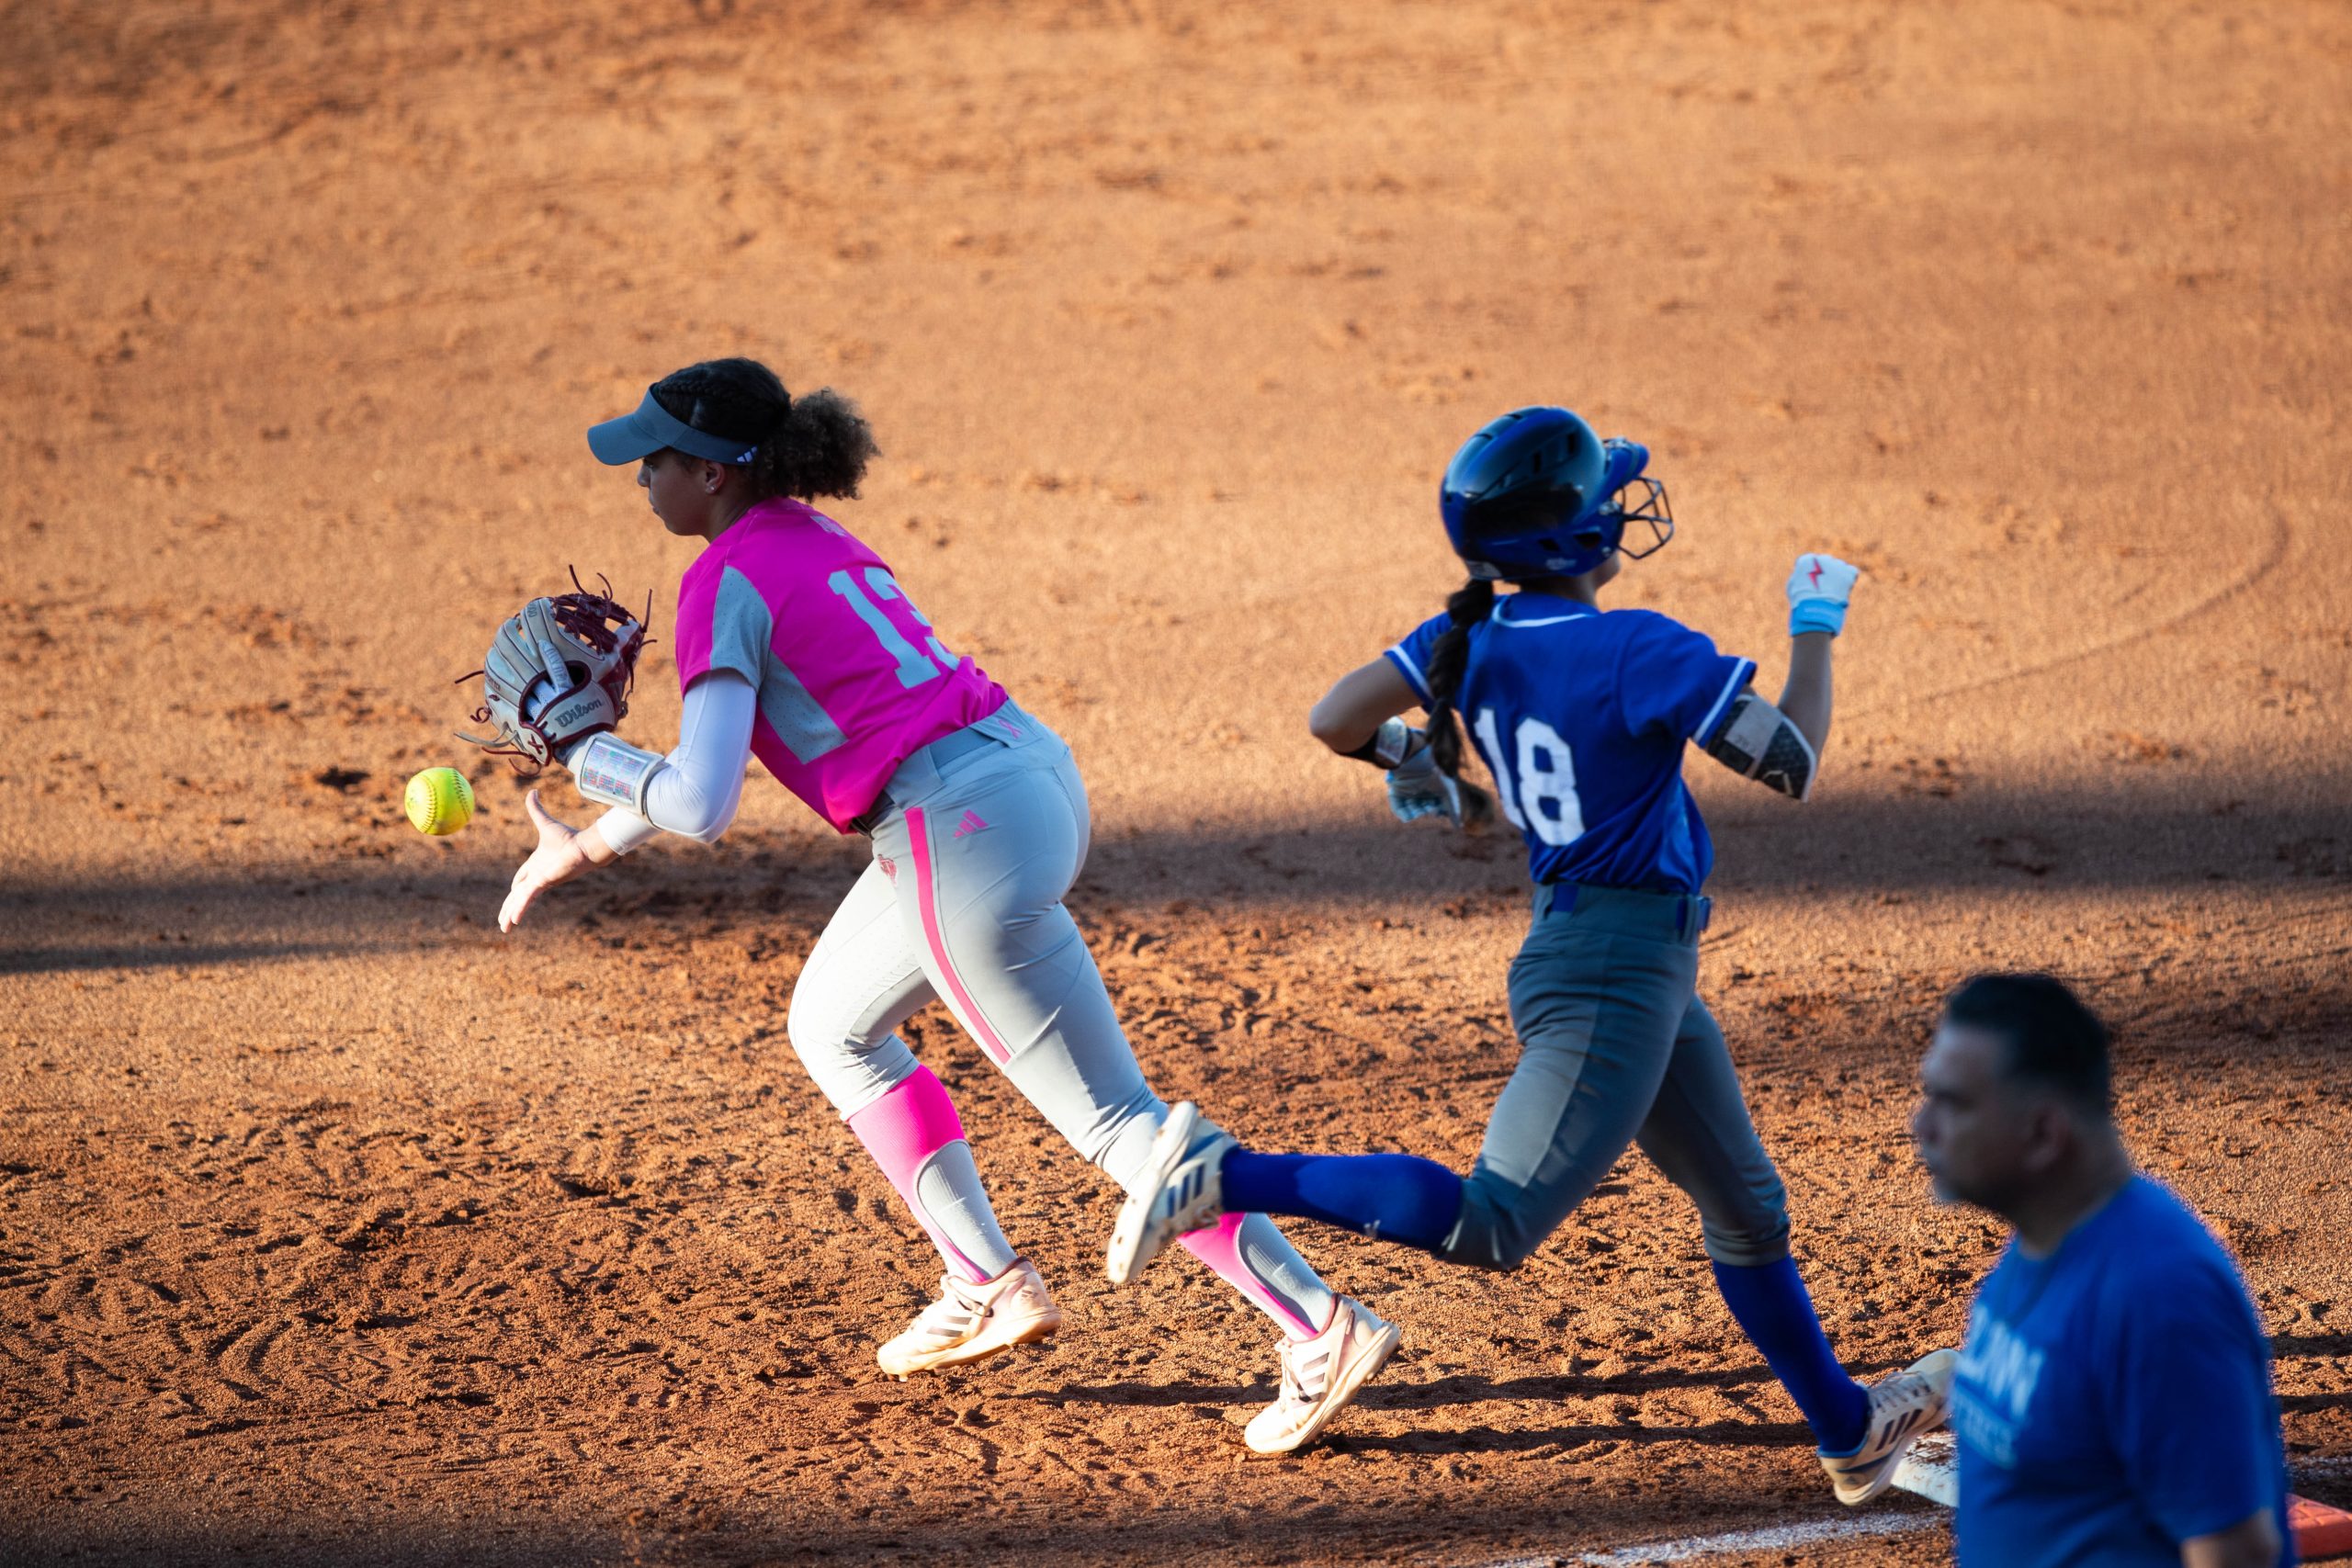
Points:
x=161, y=953
x=2000, y=843
x=1453, y=1391
x=1084, y=1531
x=2314, y=1345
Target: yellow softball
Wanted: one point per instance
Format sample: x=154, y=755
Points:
x=440, y=801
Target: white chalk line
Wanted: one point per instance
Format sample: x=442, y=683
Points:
x=1772, y=1538
x=1928, y=1472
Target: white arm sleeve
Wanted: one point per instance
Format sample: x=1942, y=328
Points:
x=695, y=796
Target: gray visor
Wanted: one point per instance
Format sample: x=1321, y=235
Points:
x=653, y=428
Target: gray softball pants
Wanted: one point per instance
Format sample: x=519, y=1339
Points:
x=1617, y=1049
x=963, y=903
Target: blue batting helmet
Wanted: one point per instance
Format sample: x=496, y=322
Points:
x=1536, y=494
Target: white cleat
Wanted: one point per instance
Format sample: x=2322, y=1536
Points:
x=1905, y=1408
x=1180, y=1190
x=970, y=1323
x=1320, y=1377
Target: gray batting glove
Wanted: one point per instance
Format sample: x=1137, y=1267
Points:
x=1419, y=788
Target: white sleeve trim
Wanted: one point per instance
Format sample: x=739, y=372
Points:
x=697, y=795
x=1411, y=670
x=1740, y=677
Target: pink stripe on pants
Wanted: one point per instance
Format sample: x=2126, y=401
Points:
x=927, y=899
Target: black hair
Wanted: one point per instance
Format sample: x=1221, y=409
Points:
x=1466, y=607
x=808, y=446
x=2052, y=1038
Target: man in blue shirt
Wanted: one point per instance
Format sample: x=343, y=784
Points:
x=2113, y=1402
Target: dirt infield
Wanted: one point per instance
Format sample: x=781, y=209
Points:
x=335, y=1227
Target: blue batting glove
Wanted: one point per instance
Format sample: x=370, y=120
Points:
x=1818, y=590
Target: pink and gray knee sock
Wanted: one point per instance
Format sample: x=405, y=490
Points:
x=915, y=1136
x=1257, y=1259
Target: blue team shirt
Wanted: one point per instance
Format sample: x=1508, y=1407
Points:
x=1581, y=716
x=2114, y=1398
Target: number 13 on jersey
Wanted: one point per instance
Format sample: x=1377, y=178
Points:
x=913, y=668
x=1537, y=785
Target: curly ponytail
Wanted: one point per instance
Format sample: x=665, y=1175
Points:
x=820, y=448
x=803, y=447
x=1466, y=607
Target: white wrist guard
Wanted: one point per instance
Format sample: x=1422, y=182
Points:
x=611, y=772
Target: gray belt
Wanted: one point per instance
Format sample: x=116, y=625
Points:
x=941, y=753
x=1654, y=911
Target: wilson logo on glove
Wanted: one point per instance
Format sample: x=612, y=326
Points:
x=558, y=674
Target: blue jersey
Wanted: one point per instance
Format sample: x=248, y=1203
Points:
x=2114, y=1398
x=1581, y=716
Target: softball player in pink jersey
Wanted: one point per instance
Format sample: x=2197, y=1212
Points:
x=796, y=645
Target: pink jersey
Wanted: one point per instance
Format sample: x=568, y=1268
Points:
x=851, y=680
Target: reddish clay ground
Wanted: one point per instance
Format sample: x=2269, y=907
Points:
x=335, y=1228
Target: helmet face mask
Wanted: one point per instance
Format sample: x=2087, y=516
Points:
x=1537, y=493
x=1651, y=510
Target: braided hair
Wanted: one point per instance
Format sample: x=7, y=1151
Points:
x=807, y=447
x=1466, y=607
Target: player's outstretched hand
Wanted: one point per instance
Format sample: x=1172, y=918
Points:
x=1818, y=590
x=558, y=858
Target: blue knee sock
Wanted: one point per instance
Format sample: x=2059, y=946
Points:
x=1400, y=1197
x=1773, y=1309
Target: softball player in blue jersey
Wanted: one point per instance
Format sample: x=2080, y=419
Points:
x=1581, y=716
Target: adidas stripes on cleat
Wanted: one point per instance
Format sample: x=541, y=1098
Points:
x=1904, y=1406
x=1320, y=1377
x=970, y=1323
x=1177, y=1191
